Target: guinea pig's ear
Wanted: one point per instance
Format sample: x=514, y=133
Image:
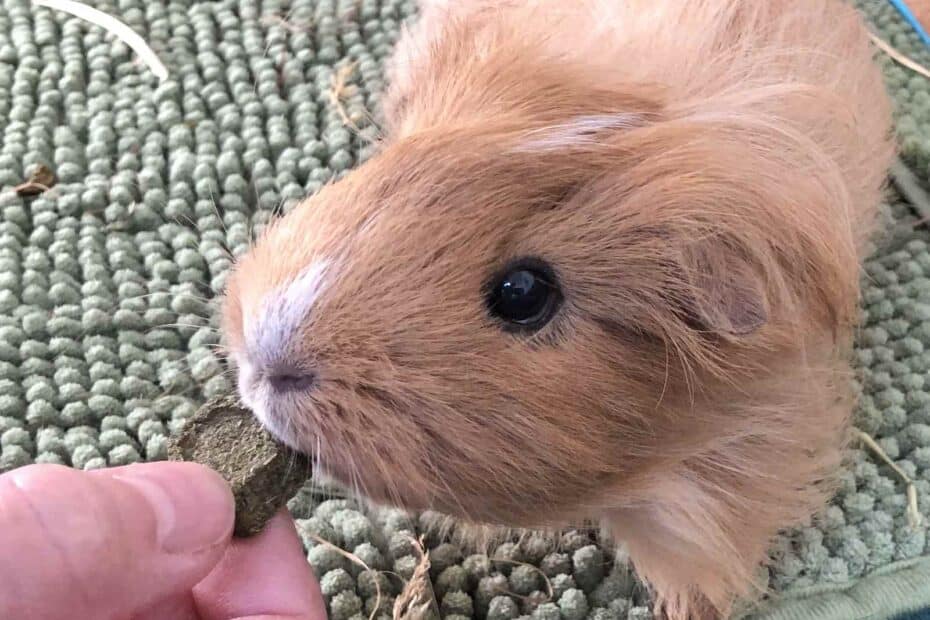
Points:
x=724, y=293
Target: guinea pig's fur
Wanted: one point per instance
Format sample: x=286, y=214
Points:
x=702, y=178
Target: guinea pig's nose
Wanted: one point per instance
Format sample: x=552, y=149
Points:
x=288, y=381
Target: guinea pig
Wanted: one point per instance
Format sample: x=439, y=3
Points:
x=604, y=265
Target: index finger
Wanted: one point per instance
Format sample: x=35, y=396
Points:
x=266, y=576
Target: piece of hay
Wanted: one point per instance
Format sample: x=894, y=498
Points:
x=417, y=600
x=909, y=186
x=914, y=518
x=115, y=27
x=263, y=473
x=898, y=57
x=355, y=560
x=41, y=180
x=339, y=82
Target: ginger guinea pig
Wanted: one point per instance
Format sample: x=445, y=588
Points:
x=605, y=265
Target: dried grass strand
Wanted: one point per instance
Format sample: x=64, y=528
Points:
x=417, y=599
x=914, y=518
x=115, y=27
x=339, y=83
x=355, y=560
x=899, y=57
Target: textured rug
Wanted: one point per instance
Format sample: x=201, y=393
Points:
x=107, y=339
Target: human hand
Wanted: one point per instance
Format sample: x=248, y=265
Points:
x=149, y=541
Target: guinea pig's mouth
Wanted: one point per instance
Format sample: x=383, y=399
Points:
x=276, y=424
x=285, y=414
x=273, y=411
x=278, y=421
x=292, y=417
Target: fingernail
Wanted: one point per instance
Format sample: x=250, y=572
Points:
x=193, y=505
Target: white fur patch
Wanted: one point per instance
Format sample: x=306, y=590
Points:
x=271, y=412
x=580, y=131
x=246, y=372
x=270, y=334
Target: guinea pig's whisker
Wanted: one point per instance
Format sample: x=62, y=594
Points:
x=219, y=215
x=184, y=220
x=289, y=427
x=392, y=492
x=361, y=489
x=291, y=461
x=665, y=380
x=352, y=470
x=186, y=326
x=168, y=391
x=445, y=484
x=174, y=295
x=317, y=458
x=356, y=482
x=380, y=464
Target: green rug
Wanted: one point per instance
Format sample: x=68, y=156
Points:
x=107, y=330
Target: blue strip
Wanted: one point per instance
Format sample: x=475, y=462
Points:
x=908, y=16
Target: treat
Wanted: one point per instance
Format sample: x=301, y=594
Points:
x=263, y=473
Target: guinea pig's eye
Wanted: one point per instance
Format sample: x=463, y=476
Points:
x=525, y=295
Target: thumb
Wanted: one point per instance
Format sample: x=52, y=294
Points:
x=108, y=543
